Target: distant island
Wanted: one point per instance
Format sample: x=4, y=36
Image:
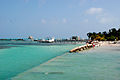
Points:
x=112, y=35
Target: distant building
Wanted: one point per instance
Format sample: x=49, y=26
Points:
x=30, y=38
x=76, y=38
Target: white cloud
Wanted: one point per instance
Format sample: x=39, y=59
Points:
x=94, y=11
x=105, y=20
x=43, y=21
x=64, y=20
x=101, y=16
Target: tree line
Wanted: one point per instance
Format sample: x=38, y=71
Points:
x=112, y=35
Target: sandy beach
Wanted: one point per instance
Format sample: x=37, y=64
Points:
x=110, y=43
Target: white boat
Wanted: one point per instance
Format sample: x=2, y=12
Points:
x=48, y=40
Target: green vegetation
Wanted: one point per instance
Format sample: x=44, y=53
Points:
x=112, y=35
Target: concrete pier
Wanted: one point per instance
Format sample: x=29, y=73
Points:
x=81, y=48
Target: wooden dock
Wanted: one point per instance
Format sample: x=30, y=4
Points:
x=81, y=48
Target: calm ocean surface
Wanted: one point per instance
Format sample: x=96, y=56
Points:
x=15, y=59
x=53, y=62
x=101, y=63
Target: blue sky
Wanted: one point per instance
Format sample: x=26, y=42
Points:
x=58, y=18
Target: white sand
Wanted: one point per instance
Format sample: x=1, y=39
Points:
x=109, y=43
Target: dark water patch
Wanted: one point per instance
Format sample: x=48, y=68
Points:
x=118, y=62
x=6, y=47
x=118, y=68
x=47, y=73
x=37, y=72
x=54, y=72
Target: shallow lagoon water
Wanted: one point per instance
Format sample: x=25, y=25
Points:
x=15, y=59
x=102, y=63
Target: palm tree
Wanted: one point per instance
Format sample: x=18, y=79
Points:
x=118, y=32
x=89, y=35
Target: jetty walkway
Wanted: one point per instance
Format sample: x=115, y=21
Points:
x=83, y=47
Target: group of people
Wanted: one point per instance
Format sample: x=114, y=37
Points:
x=91, y=42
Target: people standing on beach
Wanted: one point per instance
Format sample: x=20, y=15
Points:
x=93, y=44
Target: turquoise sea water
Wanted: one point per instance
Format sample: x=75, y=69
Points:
x=102, y=63
x=53, y=62
x=16, y=59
